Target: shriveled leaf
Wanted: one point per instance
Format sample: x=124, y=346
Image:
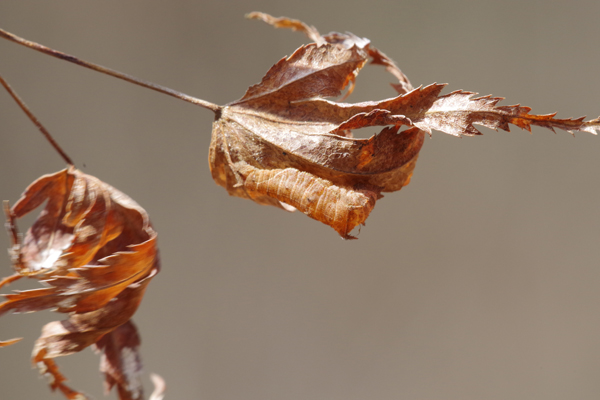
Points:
x=120, y=361
x=94, y=249
x=285, y=144
x=342, y=208
x=293, y=24
x=457, y=112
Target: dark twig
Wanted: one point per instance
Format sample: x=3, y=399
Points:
x=162, y=89
x=37, y=123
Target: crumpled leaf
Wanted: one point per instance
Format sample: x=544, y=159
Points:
x=285, y=144
x=94, y=249
x=120, y=361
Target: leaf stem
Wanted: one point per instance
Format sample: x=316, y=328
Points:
x=36, y=122
x=63, y=56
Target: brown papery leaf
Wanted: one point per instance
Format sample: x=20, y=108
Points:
x=284, y=144
x=120, y=361
x=94, y=249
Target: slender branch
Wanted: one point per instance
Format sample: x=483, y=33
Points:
x=162, y=89
x=36, y=122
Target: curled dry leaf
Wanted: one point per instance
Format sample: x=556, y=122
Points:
x=284, y=144
x=94, y=249
x=120, y=361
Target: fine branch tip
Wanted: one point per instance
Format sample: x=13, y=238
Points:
x=95, y=67
x=36, y=122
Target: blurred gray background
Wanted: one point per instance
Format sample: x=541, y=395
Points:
x=477, y=281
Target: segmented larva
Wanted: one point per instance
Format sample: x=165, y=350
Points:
x=342, y=208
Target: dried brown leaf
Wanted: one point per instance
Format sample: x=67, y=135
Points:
x=120, y=361
x=294, y=24
x=342, y=208
x=285, y=144
x=95, y=250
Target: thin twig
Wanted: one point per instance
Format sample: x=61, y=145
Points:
x=37, y=123
x=162, y=89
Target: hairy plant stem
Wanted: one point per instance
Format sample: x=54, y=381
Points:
x=63, y=56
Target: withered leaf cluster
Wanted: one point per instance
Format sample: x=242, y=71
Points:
x=285, y=144
x=95, y=251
